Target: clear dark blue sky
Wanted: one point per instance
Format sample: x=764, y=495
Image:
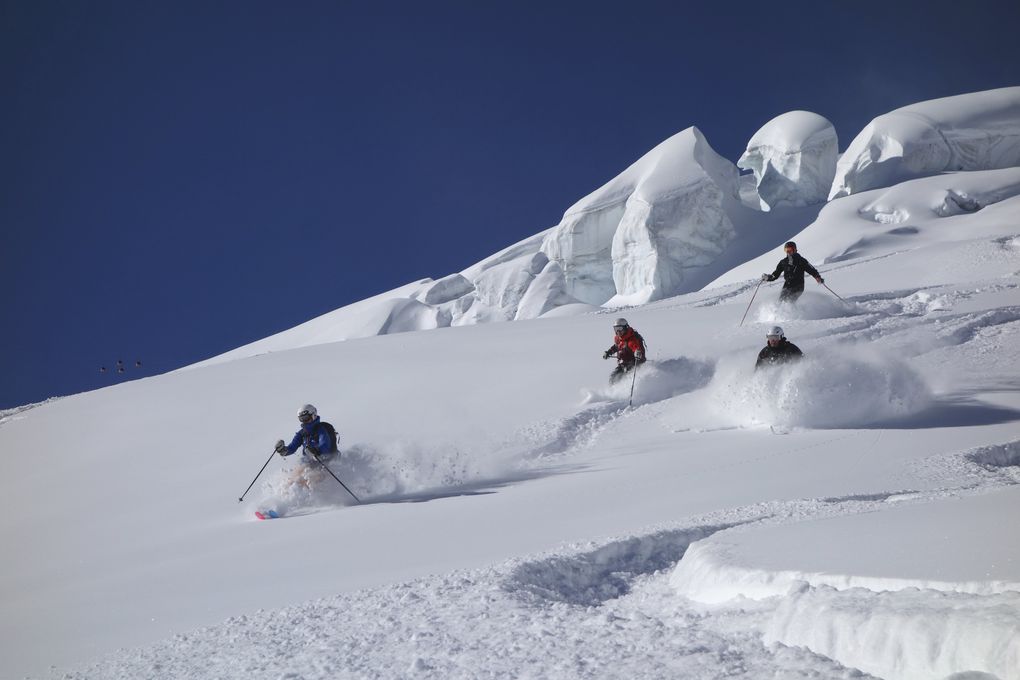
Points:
x=180, y=178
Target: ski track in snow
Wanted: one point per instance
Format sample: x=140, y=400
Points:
x=595, y=610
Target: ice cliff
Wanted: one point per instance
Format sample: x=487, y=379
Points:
x=978, y=131
x=793, y=158
x=636, y=238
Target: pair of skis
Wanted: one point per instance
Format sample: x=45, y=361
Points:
x=267, y=514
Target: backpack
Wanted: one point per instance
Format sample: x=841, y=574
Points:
x=334, y=440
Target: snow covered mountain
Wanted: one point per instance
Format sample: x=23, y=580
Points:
x=680, y=217
x=844, y=517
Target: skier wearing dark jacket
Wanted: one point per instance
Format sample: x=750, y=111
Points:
x=792, y=268
x=629, y=348
x=314, y=438
x=779, y=350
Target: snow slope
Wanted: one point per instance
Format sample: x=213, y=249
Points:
x=924, y=213
x=519, y=520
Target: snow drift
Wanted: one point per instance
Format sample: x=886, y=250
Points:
x=978, y=131
x=793, y=158
x=861, y=595
x=841, y=387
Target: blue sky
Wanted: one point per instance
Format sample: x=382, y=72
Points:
x=181, y=178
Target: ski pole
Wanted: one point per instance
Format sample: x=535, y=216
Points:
x=832, y=291
x=632, y=381
x=319, y=461
x=241, y=499
x=760, y=281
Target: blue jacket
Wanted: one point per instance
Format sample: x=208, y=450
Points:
x=311, y=434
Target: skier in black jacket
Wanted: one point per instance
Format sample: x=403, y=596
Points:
x=792, y=267
x=779, y=350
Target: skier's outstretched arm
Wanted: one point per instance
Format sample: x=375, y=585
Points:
x=639, y=350
x=812, y=271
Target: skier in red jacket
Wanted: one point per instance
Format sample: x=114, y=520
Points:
x=629, y=348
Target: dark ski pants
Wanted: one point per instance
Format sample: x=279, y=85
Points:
x=790, y=295
x=620, y=371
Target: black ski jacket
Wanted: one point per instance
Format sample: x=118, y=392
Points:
x=780, y=354
x=792, y=267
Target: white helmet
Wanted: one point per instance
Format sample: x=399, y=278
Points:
x=620, y=322
x=307, y=413
x=775, y=332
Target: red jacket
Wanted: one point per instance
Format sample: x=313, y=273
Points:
x=628, y=347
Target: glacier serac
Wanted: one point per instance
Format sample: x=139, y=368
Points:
x=793, y=158
x=977, y=131
x=636, y=238
x=677, y=219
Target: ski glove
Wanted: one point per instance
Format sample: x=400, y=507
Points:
x=312, y=449
x=819, y=279
x=639, y=356
x=608, y=353
x=765, y=277
x=281, y=448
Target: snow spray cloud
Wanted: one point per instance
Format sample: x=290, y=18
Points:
x=657, y=381
x=810, y=306
x=300, y=485
x=388, y=471
x=406, y=469
x=829, y=389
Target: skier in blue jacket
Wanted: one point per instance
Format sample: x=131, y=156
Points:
x=315, y=438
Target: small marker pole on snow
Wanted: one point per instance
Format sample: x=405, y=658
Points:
x=760, y=281
x=832, y=291
x=241, y=499
x=324, y=467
